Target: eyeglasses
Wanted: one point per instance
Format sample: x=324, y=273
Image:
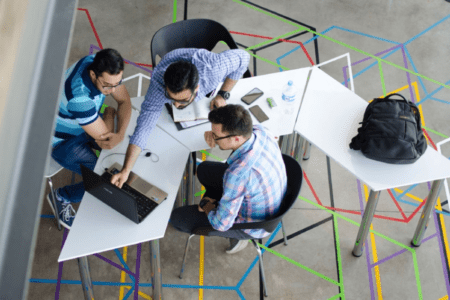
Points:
x=108, y=87
x=166, y=94
x=221, y=138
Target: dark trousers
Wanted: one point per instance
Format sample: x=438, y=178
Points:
x=187, y=218
x=70, y=154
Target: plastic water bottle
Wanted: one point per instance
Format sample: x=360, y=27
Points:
x=289, y=95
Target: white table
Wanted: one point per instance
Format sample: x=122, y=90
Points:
x=98, y=228
x=279, y=123
x=329, y=119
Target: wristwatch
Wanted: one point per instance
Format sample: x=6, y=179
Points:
x=225, y=95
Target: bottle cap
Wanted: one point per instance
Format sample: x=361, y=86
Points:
x=290, y=82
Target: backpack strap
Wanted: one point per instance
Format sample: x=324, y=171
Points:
x=391, y=95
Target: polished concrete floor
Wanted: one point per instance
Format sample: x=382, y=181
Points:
x=317, y=262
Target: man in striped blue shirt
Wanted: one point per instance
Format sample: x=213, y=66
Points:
x=80, y=127
x=181, y=77
x=249, y=187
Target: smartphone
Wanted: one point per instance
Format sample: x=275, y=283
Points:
x=258, y=113
x=252, y=96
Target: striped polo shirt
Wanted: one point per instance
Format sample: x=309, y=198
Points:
x=79, y=104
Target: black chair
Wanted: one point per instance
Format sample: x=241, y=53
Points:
x=294, y=175
x=195, y=33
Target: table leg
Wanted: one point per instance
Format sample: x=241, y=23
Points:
x=287, y=144
x=426, y=212
x=188, y=182
x=298, y=149
x=155, y=267
x=86, y=283
x=365, y=223
x=307, y=152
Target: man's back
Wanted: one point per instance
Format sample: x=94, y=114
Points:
x=254, y=184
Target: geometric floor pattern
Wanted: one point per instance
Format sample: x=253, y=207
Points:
x=406, y=201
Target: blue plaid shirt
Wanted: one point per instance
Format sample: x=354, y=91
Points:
x=213, y=68
x=253, y=184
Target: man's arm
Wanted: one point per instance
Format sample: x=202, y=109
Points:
x=131, y=156
x=237, y=61
x=111, y=139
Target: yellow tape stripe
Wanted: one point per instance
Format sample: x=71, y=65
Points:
x=142, y=294
x=202, y=252
x=123, y=274
x=409, y=195
x=444, y=298
x=375, y=254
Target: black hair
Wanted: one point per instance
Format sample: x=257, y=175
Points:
x=235, y=119
x=107, y=60
x=181, y=75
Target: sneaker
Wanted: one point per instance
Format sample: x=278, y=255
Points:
x=236, y=246
x=65, y=210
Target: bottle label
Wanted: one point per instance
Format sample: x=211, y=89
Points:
x=289, y=98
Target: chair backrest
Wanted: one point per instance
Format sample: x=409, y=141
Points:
x=194, y=33
x=294, y=184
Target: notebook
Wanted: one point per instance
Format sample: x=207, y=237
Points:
x=135, y=200
x=195, y=111
x=184, y=125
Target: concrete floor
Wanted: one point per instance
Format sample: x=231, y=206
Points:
x=317, y=263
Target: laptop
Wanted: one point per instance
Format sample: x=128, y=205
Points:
x=135, y=200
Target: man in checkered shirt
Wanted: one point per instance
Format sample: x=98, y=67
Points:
x=181, y=77
x=247, y=188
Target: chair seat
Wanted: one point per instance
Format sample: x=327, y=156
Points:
x=52, y=168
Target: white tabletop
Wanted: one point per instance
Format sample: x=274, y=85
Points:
x=329, y=119
x=98, y=228
x=279, y=123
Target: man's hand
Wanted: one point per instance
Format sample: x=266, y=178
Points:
x=210, y=139
x=218, y=101
x=109, y=140
x=120, y=178
x=211, y=201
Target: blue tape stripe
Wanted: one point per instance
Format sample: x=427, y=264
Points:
x=415, y=69
x=367, y=35
x=124, y=264
x=317, y=36
x=240, y=294
x=406, y=191
x=128, y=294
x=47, y=216
x=426, y=30
x=257, y=257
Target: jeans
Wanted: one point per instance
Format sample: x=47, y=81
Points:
x=70, y=154
x=187, y=218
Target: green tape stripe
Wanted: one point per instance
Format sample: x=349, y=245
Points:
x=269, y=61
x=211, y=155
x=343, y=44
x=102, y=109
x=339, y=260
x=337, y=296
x=298, y=264
x=413, y=252
x=274, y=39
x=435, y=132
x=199, y=193
x=416, y=270
x=356, y=223
x=174, y=18
x=382, y=77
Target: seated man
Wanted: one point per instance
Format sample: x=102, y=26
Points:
x=80, y=126
x=249, y=187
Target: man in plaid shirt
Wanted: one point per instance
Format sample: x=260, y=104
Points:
x=249, y=187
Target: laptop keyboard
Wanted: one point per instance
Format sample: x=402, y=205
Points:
x=144, y=204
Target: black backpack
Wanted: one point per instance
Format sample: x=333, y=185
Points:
x=391, y=131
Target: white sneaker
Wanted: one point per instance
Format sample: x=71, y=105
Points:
x=236, y=246
x=65, y=210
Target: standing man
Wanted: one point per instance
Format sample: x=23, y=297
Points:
x=81, y=128
x=247, y=188
x=181, y=77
